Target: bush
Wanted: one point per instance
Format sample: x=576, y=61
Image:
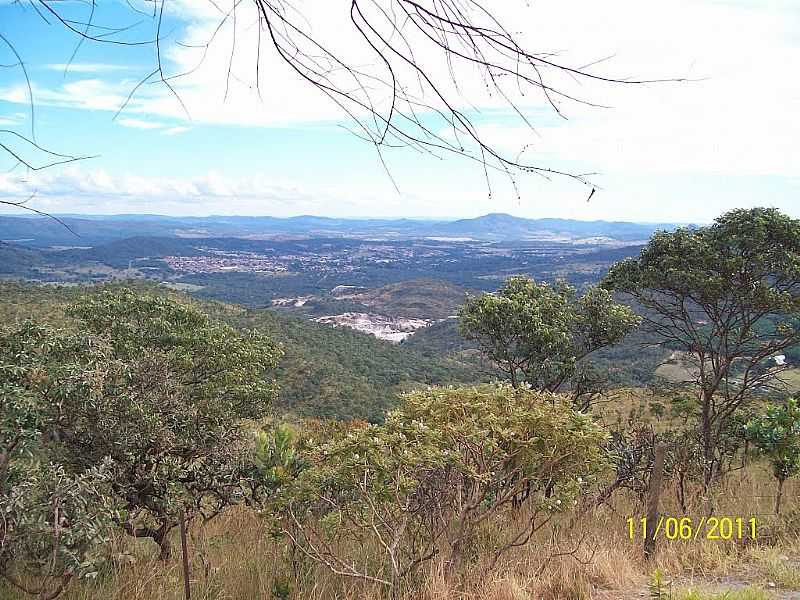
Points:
x=446, y=463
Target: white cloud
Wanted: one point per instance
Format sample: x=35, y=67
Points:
x=77, y=190
x=742, y=118
x=175, y=131
x=87, y=67
x=140, y=124
x=85, y=94
x=739, y=118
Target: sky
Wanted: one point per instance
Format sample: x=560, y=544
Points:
x=724, y=136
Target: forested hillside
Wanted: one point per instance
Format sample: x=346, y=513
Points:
x=325, y=372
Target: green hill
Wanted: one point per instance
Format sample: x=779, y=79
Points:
x=16, y=260
x=325, y=372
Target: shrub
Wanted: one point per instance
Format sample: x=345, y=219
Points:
x=446, y=463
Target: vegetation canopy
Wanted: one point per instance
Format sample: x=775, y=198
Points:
x=153, y=386
x=727, y=295
x=538, y=334
x=446, y=462
x=777, y=434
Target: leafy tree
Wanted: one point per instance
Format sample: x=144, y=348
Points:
x=53, y=521
x=443, y=465
x=538, y=334
x=727, y=295
x=54, y=527
x=158, y=388
x=777, y=434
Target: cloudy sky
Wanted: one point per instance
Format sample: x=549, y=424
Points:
x=683, y=151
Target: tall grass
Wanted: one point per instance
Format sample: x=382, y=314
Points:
x=586, y=552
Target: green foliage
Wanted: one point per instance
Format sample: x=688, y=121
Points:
x=345, y=374
x=54, y=521
x=777, y=434
x=440, y=467
x=727, y=294
x=276, y=461
x=656, y=588
x=324, y=372
x=154, y=385
x=753, y=255
x=745, y=593
x=538, y=333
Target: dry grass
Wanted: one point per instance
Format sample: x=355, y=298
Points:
x=744, y=593
x=236, y=558
x=791, y=377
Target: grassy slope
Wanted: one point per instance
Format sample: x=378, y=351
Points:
x=236, y=556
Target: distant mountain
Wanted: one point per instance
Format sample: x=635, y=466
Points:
x=95, y=230
x=118, y=252
x=507, y=227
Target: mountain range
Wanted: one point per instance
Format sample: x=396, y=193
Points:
x=82, y=231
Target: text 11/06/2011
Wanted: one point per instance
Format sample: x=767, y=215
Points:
x=687, y=528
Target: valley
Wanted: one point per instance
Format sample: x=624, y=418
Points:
x=329, y=267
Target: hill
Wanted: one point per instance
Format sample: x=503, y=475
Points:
x=419, y=298
x=87, y=230
x=342, y=373
x=507, y=227
x=325, y=372
x=118, y=253
x=18, y=260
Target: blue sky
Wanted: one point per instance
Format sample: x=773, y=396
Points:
x=663, y=152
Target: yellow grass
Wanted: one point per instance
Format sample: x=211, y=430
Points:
x=792, y=379
x=235, y=558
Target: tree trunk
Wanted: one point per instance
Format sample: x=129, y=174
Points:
x=454, y=561
x=548, y=491
x=708, y=441
x=162, y=539
x=187, y=593
x=779, y=497
x=682, y=490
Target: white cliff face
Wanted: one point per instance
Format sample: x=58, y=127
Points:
x=383, y=327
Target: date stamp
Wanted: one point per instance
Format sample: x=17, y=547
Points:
x=689, y=528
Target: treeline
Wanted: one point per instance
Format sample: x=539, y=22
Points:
x=325, y=372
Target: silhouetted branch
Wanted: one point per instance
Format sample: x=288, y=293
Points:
x=408, y=98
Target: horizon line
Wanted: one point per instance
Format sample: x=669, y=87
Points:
x=342, y=218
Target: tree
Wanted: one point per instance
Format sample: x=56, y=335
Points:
x=727, y=295
x=777, y=434
x=53, y=521
x=538, y=334
x=156, y=387
x=423, y=55
x=447, y=463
